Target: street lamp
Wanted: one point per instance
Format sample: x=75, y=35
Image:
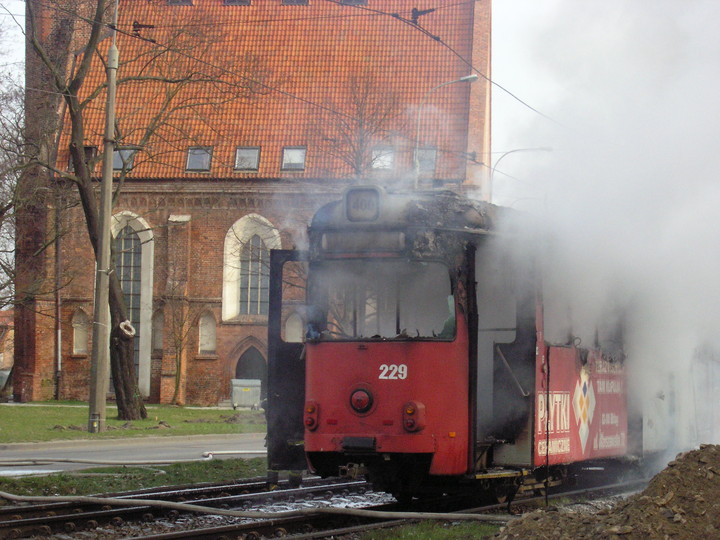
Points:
x=492, y=171
x=467, y=78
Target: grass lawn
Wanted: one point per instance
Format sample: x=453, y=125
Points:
x=113, y=479
x=49, y=422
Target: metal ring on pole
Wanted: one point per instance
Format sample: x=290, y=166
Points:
x=127, y=329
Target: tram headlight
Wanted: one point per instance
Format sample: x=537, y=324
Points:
x=361, y=400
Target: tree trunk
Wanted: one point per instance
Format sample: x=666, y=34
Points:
x=122, y=358
x=122, y=365
x=178, y=364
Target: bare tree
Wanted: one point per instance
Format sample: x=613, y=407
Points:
x=181, y=318
x=361, y=124
x=11, y=152
x=184, y=86
x=11, y=162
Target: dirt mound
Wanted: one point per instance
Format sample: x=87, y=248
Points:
x=682, y=501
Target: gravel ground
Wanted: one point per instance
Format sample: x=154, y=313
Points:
x=682, y=501
x=198, y=521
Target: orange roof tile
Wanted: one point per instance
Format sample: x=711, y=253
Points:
x=271, y=75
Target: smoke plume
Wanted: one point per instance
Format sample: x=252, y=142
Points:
x=630, y=192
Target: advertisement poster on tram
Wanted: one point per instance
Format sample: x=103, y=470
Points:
x=581, y=408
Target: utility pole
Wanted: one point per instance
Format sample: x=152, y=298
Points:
x=100, y=365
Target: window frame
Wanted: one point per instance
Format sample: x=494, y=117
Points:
x=237, y=235
x=257, y=149
x=426, y=150
x=288, y=166
x=207, y=334
x=126, y=163
x=254, y=282
x=295, y=2
x=208, y=152
x=146, y=233
x=380, y=154
x=81, y=333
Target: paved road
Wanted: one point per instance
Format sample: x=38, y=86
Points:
x=126, y=451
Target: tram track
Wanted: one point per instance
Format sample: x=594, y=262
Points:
x=309, y=519
x=83, y=513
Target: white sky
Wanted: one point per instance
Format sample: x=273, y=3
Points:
x=12, y=49
x=631, y=189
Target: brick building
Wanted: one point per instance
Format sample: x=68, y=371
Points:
x=275, y=107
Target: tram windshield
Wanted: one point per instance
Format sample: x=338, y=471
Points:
x=381, y=300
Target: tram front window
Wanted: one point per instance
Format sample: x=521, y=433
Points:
x=382, y=299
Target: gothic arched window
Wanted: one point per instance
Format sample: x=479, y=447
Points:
x=246, y=267
x=134, y=259
x=254, y=277
x=128, y=264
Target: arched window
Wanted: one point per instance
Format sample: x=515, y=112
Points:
x=252, y=365
x=134, y=256
x=254, y=277
x=246, y=266
x=81, y=331
x=207, y=334
x=128, y=265
x=294, y=327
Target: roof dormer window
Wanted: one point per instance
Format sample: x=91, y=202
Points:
x=199, y=158
x=293, y=158
x=123, y=159
x=247, y=158
x=383, y=157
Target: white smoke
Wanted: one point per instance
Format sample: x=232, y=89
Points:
x=631, y=190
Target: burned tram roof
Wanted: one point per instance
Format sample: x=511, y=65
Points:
x=373, y=207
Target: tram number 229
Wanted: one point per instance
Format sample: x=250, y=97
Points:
x=393, y=371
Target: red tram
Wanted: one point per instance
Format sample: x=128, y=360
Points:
x=423, y=361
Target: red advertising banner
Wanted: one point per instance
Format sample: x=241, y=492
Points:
x=580, y=407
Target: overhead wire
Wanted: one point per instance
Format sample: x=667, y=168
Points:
x=250, y=80
x=441, y=41
x=374, y=12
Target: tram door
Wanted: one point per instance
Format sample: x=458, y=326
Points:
x=286, y=360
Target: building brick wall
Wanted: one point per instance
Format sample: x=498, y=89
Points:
x=299, y=71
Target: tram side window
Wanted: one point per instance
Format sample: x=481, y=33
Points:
x=294, y=293
x=373, y=300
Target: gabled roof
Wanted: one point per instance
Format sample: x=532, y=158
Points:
x=281, y=75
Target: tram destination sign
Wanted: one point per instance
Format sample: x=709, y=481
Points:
x=362, y=204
